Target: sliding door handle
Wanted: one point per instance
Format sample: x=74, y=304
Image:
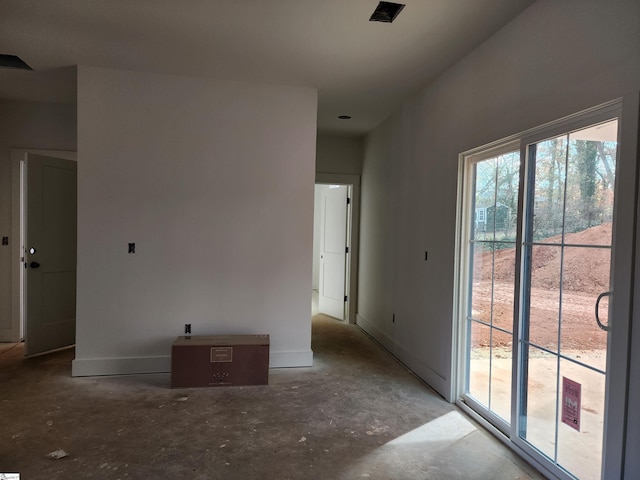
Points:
x=606, y=328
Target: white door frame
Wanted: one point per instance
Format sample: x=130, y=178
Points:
x=18, y=156
x=351, y=284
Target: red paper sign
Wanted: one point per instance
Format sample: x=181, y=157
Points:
x=571, y=403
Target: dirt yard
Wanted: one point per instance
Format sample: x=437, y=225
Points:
x=584, y=276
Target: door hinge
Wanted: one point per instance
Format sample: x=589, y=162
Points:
x=346, y=249
x=345, y=298
x=348, y=200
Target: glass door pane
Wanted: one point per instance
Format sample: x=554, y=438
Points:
x=566, y=266
x=491, y=246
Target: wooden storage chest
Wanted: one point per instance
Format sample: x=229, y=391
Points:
x=219, y=360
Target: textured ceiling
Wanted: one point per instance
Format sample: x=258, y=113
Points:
x=360, y=68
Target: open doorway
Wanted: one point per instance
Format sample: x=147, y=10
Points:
x=44, y=266
x=331, y=248
x=335, y=246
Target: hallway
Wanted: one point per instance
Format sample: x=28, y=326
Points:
x=357, y=413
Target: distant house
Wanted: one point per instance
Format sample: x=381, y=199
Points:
x=498, y=215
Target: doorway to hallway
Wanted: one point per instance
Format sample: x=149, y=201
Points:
x=44, y=270
x=331, y=248
x=335, y=246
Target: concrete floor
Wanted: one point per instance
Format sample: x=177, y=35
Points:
x=357, y=413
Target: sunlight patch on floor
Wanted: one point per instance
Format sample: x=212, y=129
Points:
x=427, y=451
x=448, y=428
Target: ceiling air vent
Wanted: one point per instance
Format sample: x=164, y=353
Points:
x=11, y=61
x=386, y=12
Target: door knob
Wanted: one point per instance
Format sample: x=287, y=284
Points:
x=34, y=265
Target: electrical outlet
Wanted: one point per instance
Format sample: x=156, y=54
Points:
x=132, y=248
x=5, y=240
x=187, y=328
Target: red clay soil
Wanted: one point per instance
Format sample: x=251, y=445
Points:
x=585, y=275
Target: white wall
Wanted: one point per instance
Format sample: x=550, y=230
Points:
x=192, y=171
x=339, y=154
x=555, y=59
x=24, y=125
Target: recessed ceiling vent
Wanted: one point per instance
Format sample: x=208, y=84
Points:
x=11, y=61
x=386, y=12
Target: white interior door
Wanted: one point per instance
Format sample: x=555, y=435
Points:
x=333, y=246
x=50, y=253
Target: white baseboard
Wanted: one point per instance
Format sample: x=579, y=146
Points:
x=90, y=367
x=437, y=381
x=302, y=358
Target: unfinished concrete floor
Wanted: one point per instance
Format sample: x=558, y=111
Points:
x=357, y=413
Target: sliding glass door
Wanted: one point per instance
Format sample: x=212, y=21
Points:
x=536, y=275
x=566, y=271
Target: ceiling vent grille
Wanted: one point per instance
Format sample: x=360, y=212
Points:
x=11, y=61
x=386, y=12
